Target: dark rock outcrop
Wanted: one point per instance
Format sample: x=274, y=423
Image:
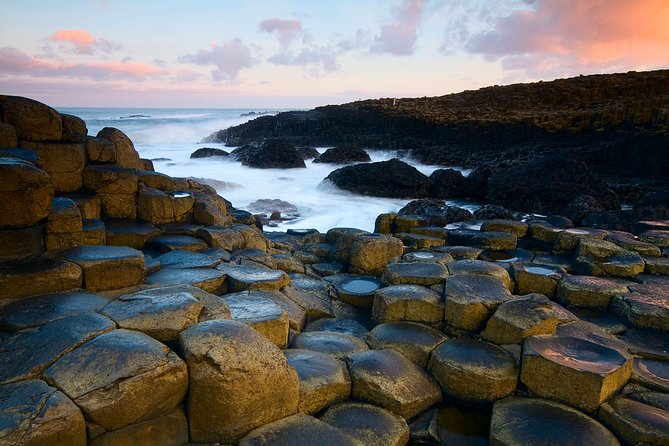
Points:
x=448, y=183
x=436, y=212
x=548, y=186
x=343, y=155
x=393, y=178
x=206, y=152
x=270, y=154
x=308, y=153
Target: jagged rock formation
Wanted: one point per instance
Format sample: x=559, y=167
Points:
x=610, y=121
x=134, y=307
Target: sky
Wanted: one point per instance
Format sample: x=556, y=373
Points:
x=305, y=53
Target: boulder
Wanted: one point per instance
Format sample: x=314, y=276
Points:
x=547, y=186
x=337, y=325
x=38, y=277
x=27, y=193
x=638, y=418
x=166, y=430
x=645, y=307
x=234, y=372
x=496, y=241
x=324, y=381
x=117, y=188
x=121, y=377
x=260, y=313
x=408, y=303
x=297, y=430
x=244, y=277
x=447, y=183
x=370, y=425
x=126, y=155
x=271, y=154
x=415, y=273
x=520, y=318
x=496, y=212
x=107, y=267
x=100, y=150
x=33, y=120
x=370, y=253
x=21, y=244
x=520, y=421
x=480, y=267
x=167, y=243
x=393, y=178
x=473, y=371
x=413, y=340
x=517, y=228
x=591, y=292
x=209, y=152
x=64, y=162
x=336, y=344
x=74, y=128
x=64, y=228
x=8, y=137
x=388, y=379
x=163, y=317
x=355, y=290
x=572, y=370
x=209, y=280
x=343, y=155
x=26, y=354
x=536, y=278
x=435, y=212
x=32, y=413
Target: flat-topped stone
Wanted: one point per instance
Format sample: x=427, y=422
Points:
x=631, y=242
x=657, y=265
x=473, y=371
x=337, y=325
x=590, y=373
x=494, y=240
x=370, y=253
x=222, y=237
x=161, y=316
x=63, y=226
x=413, y=340
x=187, y=259
x=588, y=291
x=121, y=377
x=26, y=354
x=420, y=241
x=39, y=277
x=565, y=263
x=647, y=308
x=20, y=245
x=298, y=430
x=601, y=318
x=480, y=267
x=33, y=413
x=167, y=430
x=543, y=231
x=428, y=257
x=520, y=318
x=337, y=345
x=166, y=243
x=636, y=420
x=627, y=264
x=408, y=303
x=569, y=239
x=416, y=273
x=520, y=421
x=296, y=314
x=107, y=267
x=244, y=277
x=130, y=234
x=354, y=289
x=470, y=299
x=388, y=379
x=651, y=373
x=508, y=256
x=536, y=278
x=368, y=424
x=93, y=232
x=40, y=310
x=316, y=304
x=461, y=252
x=239, y=381
x=658, y=237
x=324, y=381
x=261, y=314
x=207, y=279
x=517, y=228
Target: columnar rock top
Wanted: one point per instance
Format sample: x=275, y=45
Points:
x=139, y=308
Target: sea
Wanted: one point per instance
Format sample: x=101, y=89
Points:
x=169, y=136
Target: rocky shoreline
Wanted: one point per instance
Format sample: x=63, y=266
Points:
x=136, y=308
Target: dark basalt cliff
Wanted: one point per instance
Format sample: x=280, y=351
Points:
x=617, y=123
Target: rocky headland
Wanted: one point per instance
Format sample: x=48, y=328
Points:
x=136, y=308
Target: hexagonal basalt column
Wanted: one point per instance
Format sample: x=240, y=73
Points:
x=574, y=371
x=408, y=303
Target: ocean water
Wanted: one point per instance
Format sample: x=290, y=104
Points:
x=169, y=136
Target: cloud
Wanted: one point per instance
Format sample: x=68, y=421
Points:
x=312, y=59
x=16, y=62
x=83, y=42
x=571, y=36
x=399, y=37
x=229, y=58
x=286, y=30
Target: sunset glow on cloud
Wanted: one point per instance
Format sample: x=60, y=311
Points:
x=303, y=53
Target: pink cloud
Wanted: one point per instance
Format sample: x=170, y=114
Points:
x=286, y=30
x=229, y=58
x=83, y=42
x=571, y=36
x=17, y=62
x=399, y=37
